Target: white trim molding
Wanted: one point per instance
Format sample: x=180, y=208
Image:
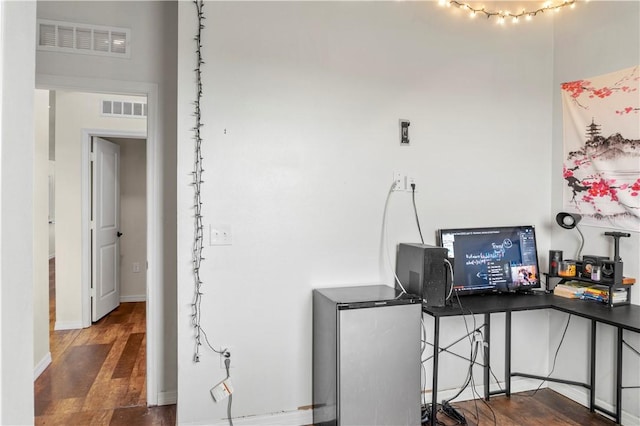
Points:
x=68, y=325
x=283, y=418
x=133, y=298
x=41, y=366
x=167, y=398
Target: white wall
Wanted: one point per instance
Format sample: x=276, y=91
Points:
x=41, y=355
x=310, y=94
x=52, y=225
x=133, y=219
x=594, y=39
x=16, y=217
x=75, y=112
x=153, y=61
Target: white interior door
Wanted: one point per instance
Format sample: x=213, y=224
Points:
x=105, y=247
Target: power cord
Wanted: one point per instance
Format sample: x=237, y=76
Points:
x=450, y=266
x=385, y=237
x=624, y=342
x=473, y=350
x=634, y=350
x=227, y=364
x=415, y=210
x=555, y=357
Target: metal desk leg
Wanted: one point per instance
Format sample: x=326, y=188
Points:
x=592, y=379
x=487, y=360
x=619, y=378
x=434, y=383
x=507, y=358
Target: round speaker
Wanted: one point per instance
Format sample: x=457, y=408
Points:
x=608, y=269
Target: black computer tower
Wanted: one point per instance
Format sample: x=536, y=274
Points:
x=422, y=271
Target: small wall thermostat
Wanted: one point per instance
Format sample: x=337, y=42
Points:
x=404, y=131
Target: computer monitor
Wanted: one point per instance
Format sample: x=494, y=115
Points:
x=492, y=259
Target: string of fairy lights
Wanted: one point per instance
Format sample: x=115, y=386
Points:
x=505, y=15
x=198, y=238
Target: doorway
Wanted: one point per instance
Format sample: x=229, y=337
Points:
x=153, y=230
x=130, y=264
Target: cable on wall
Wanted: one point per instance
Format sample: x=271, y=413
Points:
x=385, y=237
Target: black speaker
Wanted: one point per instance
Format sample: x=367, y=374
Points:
x=422, y=271
x=612, y=271
x=588, y=261
x=555, y=257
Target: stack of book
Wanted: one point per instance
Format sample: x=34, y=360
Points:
x=570, y=290
x=600, y=293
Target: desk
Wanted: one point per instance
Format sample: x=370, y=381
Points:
x=625, y=317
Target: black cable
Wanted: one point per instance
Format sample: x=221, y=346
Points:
x=227, y=363
x=491, y=370
x=630, y=347
x=415, y=209
x=624, y=342
x=473, y=351
x=555, y=357
x=475, y=402
x=470, y=379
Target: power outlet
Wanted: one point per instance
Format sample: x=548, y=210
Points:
x=411, y=181
x=226, y=352
x=402, y=182
x=399, y=181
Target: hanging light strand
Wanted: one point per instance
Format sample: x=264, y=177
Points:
x=504, y=15
x=198, y=170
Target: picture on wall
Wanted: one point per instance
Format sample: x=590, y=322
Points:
x=601, y=136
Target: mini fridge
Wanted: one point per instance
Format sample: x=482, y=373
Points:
x=366, y=356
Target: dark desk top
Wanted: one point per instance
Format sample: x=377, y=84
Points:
x=625, y=316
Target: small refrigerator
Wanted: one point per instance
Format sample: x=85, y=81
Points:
x=366, y=356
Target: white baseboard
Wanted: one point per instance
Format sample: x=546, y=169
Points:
x=133, y=298
x=167, y=398
x=305, y=417
x=582, y=397
x=284, y=418
x=41, y=366
x=517, y=385
x=68, y=325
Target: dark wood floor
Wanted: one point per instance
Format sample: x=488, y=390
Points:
x=98, y=377
x=546, y=408
x=98, y=374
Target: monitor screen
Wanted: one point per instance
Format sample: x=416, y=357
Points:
x=495, y=259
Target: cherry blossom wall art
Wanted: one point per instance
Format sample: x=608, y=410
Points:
x=601, y=167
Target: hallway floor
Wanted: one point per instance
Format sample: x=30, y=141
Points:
x=98, y=374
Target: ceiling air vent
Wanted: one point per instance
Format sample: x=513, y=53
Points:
x=85, y=39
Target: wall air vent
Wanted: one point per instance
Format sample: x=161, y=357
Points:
x=58, y=36
x=119, y=108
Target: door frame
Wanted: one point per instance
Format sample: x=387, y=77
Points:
x=155, y=231
x=86, y=196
